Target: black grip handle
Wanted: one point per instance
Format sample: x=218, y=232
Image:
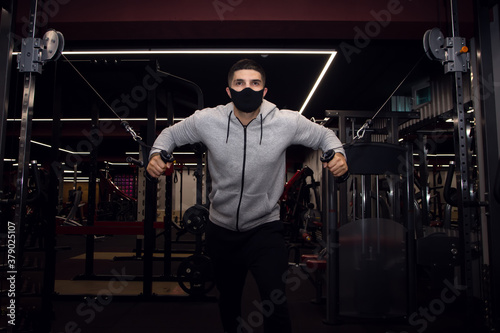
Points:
x=134, y=161
x=327, y=157
x=166, y=157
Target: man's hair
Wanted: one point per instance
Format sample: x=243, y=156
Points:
x=246, y=64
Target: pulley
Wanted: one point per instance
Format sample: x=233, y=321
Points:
x=52, y=45
x=35, y=52
x=195, y=219
x=195, y=275
x=450, y=51
x=434, y=44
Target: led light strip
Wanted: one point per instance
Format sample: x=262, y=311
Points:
x=332, y=54
x=199, y=51
x=100, y=119
x=61, y=149
x=318, y=81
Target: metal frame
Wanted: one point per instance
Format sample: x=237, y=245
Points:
x=23, y=167
x=6, y=48
x=333, y=208
x=346, y=117
x=486, y=69
x=465, y=211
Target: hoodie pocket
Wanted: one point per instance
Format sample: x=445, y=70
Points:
x=254, y=207
x=225, y=204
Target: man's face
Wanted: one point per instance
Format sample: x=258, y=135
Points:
x=247, y=78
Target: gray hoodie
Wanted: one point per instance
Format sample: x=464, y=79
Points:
x=246, y=163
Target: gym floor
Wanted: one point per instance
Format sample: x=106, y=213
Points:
x=174, y=311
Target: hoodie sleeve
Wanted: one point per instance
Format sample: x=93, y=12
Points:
x=315, y=136
x=179, y=134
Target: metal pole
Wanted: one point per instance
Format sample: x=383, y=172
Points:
x=23, y=168
x=167, y=221
x=332, y=247
x=90, y=245
x=150, y=207
x=463, y=153
x=424, y=177
x=409, y=213
x=486, y=68
x=6, y=48
x=342, y=125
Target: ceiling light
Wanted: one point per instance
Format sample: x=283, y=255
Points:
x=61, y=149
x=198, y=51
x=192, y=164
x=318, y=81
x=118, y=163
x=332, y=54
x=78, y=179
x=90, y=119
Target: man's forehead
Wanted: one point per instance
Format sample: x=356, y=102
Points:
x=247, y=74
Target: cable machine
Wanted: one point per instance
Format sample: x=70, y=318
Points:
x=35, y=52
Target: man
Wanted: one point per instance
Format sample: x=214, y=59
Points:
x=246, y=142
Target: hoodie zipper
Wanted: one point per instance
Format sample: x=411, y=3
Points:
x=242, y=176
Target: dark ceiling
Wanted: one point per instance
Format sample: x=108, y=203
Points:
x=362, y=76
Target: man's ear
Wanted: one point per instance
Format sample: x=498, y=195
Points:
x=265, y=92
x=228, y=92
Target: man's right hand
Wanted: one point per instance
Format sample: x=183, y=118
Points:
x=156, y=167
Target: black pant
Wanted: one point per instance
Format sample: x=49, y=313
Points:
x=262, y=251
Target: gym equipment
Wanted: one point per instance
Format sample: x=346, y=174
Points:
x=114, y=205
x=298, y=213
x=147, y=227
x=453, y=54
x=195, y=275
x=369, y=259
x=35, y=52
x=195, y=219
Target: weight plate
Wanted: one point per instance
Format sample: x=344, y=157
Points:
x=195, y=275
x=195, y=219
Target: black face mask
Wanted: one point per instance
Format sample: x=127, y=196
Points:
x=247, y=100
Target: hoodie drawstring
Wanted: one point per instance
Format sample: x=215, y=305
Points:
x=229, y=124
x=261, y=130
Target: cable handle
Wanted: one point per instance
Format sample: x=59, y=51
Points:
x=327, y=157
x=134, y=161
x=166, y=157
